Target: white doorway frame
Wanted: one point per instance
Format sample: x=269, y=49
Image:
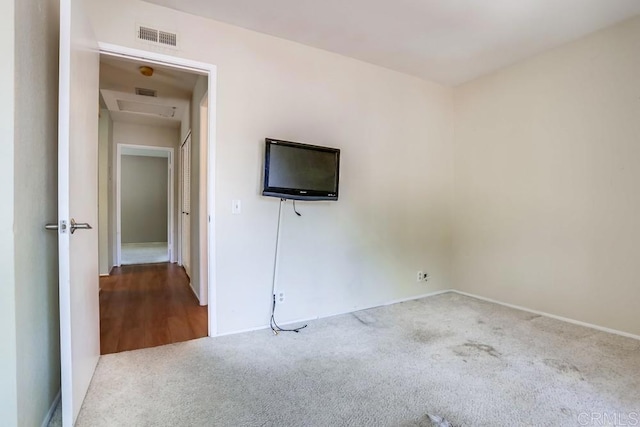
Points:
x=210, y=71
x=170, y=197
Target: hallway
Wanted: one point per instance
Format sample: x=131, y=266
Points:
x=145, y=306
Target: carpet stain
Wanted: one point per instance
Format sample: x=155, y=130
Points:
x=439, y=421
x=471, y=348
x=365, y=319
x=480, y=322
x=564, y=368
x=424, y=337
x=429, y=420
x=533, y=317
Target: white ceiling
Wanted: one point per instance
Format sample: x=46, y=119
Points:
x=151, y=111
x=446, y=41
x=120, y=77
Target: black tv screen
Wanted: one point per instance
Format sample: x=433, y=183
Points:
x=300, y=171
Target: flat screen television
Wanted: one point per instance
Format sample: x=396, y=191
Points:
x=300, y=171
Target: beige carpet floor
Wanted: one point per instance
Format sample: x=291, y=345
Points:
x=471, y=362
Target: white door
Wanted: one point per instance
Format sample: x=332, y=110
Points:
x=185, y=155
x=77, y=199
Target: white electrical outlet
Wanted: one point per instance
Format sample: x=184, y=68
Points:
x=420, y=276
x=280, y=297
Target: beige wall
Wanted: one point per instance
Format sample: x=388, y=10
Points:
x=144, y=199
x=8, y=385
x=105, y=145
x=138, y=134
x=546, y=181
x=395, y=133
x=35, y=203
x=196, y=233
x=111, y=197
x=158, y=136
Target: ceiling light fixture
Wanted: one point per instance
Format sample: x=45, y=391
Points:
x=146, y=71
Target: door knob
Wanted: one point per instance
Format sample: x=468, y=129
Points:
x=63, y=226
x=79, y=226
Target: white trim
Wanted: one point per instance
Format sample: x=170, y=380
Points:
x=211, y=71
x=157, y=58
x=193, y=291
x=339, y=313
x=52, y=410
x=212, y=90
x=170, y=190
x=64, y=132
x=553, y=316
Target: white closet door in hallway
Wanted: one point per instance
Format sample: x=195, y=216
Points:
x=185, y=155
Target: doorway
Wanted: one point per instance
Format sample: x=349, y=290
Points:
x=152, y=292
x=79, y=72
x=144, y=204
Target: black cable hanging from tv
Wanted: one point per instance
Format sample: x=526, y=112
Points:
x=294, y=209
x=275, y=328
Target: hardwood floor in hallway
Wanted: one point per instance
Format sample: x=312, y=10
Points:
x=148, y=305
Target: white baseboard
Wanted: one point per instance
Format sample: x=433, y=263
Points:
x=194, y=292
x=517, y=307
x=308, y=319
x=109, y=273
x=52, y=410
x=146, y=244
x=396, y=301
x=240, y=331
x=553, y=316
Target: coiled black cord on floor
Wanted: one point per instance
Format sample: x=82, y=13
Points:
x=274, y=326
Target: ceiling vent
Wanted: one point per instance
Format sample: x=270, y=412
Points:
x=158, y=37
x=148, y=34
x=146, y=92
x=166, y=111
x=168, y=39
